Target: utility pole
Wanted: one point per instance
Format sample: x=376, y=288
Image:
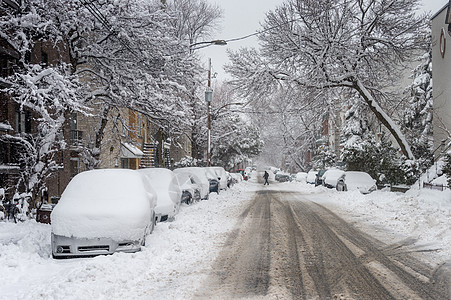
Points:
x=208, y=98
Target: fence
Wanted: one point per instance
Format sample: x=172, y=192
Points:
x=439, y=187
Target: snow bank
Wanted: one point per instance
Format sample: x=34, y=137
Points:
x=173, y=265
x=179, y=255
x=424, y=215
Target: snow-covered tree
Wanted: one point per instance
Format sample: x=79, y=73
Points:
x=347, y=44
x=194, y=19
x=48, y=93
x=417, y=116
x=324, y=159
x=47, y=90
x=366, y=149
x=234, y=141
x=447, y=168
x=234, y=138
x=124, y=54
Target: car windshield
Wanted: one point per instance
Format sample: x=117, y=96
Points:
x=359, y=178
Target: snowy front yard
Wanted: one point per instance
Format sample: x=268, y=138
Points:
x=179, y=254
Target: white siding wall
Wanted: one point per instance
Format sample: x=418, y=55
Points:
x=441, y=70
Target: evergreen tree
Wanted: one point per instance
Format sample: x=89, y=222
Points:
x=447, y=168
x=417, y=116
x=362, y=151
x=325, y=158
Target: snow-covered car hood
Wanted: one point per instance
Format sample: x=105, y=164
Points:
x=108, y=203
x=360, y=181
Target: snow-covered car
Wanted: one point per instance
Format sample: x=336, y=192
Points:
x=282, y=177
x=319, y=177
x=248, y=171
x=200, y=177
x=169, y=195
x=301, y=177
x=102, y=212
x=230, y=180
x=212, y=179
x=355, y=180
x=311, y=176
x=189, y=186
x=237, y=176
x=243, y=174
x=331, y=177
x=222, y=177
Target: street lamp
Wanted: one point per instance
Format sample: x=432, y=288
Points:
x=209, y=90
x=201, y=45
x=208, y=98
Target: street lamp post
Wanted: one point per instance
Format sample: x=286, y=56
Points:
x=208, y=98
x=208, y=91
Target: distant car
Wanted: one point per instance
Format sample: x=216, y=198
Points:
x=355, y=180
x=248, y=172
x=331, y=177
x=319, y=177
x=282, y=177
x=167, y=188
x=212, y=179
x=311, y=176
x=191, y=190
x=102, y=212
x=200, y=177
x=243, y=173
x=301, y=177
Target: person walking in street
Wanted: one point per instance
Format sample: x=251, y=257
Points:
x=266, y=176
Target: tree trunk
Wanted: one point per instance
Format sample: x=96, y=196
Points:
x=384, y=118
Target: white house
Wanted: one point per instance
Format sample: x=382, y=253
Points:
x=441, y=69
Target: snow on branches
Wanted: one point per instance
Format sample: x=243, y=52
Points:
x=355, y=45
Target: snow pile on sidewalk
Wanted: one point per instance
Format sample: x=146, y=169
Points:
x=421, y=214
x=172, y=266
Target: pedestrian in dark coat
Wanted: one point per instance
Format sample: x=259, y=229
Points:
x=266, y=176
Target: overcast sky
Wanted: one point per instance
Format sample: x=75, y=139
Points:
x=242, y=17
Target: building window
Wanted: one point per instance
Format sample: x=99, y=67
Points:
x=23, y=122
x=6, y=65
x=124, y=163
x=44, y=59
x=74, y=166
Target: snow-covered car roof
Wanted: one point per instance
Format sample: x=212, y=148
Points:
x=111, y=203
x=167, y=188
x=331, y=176
x=199, y=175
x=356, y=180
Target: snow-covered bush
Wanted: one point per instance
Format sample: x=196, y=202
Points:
x=186, y=161
x=379, y=159
x=447, y=168
x=325, y=158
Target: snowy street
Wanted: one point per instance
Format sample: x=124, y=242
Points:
x=182, y=258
